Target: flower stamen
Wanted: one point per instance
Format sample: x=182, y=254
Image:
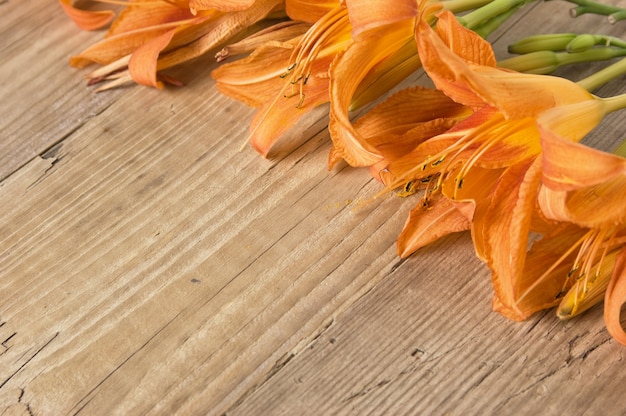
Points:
x=595, y=261
x=327, y=36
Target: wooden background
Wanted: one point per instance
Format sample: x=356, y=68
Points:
x=147, y=266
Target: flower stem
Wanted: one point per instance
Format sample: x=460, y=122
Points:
x=546, y=62
x=459, y=6
x=489, y=11
x=593, y=7
x=615, y=103
x=603, y=76
x=488, y=27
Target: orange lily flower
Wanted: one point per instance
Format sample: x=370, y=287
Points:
x=587, y=187
x=309, y=66
x=406, y=119
x=286, y=79
x=380, y=33
x=382, y=54
x=137, y=24
x=487, y=168
x=150, y=36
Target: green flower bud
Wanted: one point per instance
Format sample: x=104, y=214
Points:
x=581, y=43
x=536, y=43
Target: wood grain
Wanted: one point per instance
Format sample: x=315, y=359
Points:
x=148, y=266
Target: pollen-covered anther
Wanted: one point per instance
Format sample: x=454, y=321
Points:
x=299, y=105
x=288, y=70
x=438, y=162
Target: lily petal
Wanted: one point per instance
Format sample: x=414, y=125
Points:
x=221, y=5
x=309, y=11
x=86, y=19
x=544, y=278
x=141, y=14
x=136, y=26
x=583, y=185
x=369, y=14
x=279, y=35
x=255, y=79
x=461, y=65
x=568, y=165
x=407, y=109
x=144, y=66
x=427, y=223
x=506, y=237
x=279, y=115
x=143, y=62
x=347, y=71
x=615, y=298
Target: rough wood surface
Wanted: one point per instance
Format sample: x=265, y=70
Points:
x=147, y=266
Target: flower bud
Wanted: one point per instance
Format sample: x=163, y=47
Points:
x=536, y=43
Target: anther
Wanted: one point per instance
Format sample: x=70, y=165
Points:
x=301, y=101
x=288, y=71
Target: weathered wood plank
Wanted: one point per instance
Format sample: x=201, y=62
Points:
x=424, y=341
x=148, y=266
x=152, y=239
x=42, y=99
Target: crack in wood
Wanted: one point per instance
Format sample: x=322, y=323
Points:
x=86, y=399
x=29, y=360
x=397, y=264
x=27, y=405
x=5, y=343
x=317, y=335
x=417, y=353
x=538, y=319
x=541, y=379
x=366, y=390
x=582, y=356
x=282, y=363
x=279, y=365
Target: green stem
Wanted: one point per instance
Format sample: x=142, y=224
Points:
x=459, y=6
x=617, y=16
x=545, y=62
x=490, y=10
x=590, y=55
x=586, y=41
x=615, y=103
x=590, y=6
x=603, y=76
x=487, y=28
x=545, y=42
